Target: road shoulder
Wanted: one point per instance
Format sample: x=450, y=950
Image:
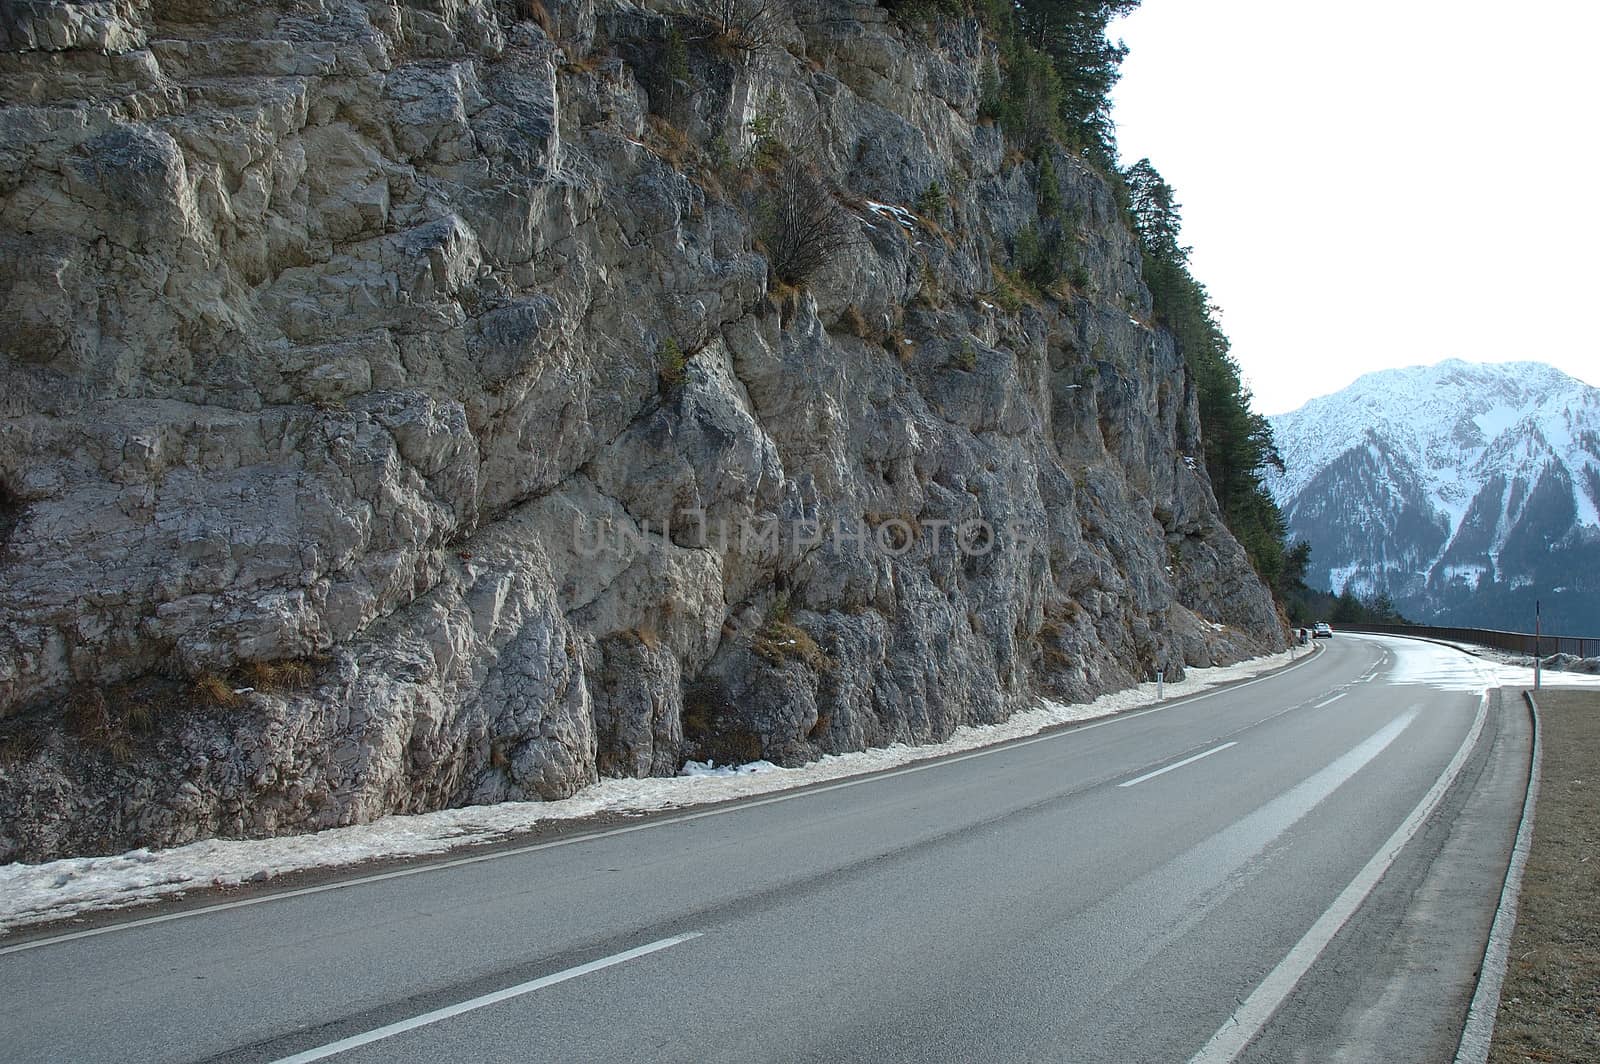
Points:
x=1395, y=984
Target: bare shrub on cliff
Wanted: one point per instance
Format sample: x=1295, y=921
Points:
x=742, y=27
x=802, y=225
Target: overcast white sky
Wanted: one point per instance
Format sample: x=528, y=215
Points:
x=1368, y=185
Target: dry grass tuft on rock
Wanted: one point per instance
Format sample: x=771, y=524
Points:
x=273, y=677
x=90, y=720
x=780, y=640
x=856, y=322
x=20, y=747
x=902, y=347
x=141, y=717
x=648, y=635
x=739, y=746
x=670, y=144
x=534, y=11
x=215, y=692
x=1009, y=293
x=89, y=715
x=1055, y=634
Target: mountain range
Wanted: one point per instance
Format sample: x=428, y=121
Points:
x=1466, y=492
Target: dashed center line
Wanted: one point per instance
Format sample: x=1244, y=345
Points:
x=402, y=1026
x=1330, y=701
x=1177, y=764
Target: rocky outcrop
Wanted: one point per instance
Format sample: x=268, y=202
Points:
x=398, y=413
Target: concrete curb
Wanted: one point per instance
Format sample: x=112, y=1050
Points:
x=1478, y=1033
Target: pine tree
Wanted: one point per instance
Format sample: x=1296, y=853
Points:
x=1073, y=34
x=1057, y=72
x=1347, y=608
x=1155, y=209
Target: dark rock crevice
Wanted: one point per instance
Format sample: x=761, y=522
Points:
x=11, y=511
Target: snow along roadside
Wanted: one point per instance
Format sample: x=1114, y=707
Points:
x=55, y=890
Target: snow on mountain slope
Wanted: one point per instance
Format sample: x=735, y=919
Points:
x=1450, y=487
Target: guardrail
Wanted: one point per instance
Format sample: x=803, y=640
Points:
x=1515, y=642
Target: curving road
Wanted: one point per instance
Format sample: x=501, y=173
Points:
x=1302, y=867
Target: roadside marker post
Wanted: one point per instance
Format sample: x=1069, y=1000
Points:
x=1536, y=644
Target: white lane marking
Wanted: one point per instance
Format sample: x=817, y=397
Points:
x=1330, y=701
x=1253, y=1015
x=1177, y=764
x=402, y=1026
x=729, y=806
x=1178, y=894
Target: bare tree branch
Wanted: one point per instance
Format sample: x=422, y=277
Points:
x=802, y=225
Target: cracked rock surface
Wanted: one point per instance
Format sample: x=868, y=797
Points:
x=345, y=468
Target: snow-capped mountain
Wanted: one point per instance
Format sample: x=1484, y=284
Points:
x=1465, y=491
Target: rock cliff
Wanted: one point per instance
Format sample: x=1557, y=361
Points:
x=402, y=409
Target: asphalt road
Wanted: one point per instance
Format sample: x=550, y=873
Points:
x=1224, y=871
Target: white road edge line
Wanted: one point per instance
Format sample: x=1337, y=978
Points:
x=1478, y=1033
x=1254, y=1013
x=730, y=806
x=1330, y=701
x=355, y=1041
x=1176, y=764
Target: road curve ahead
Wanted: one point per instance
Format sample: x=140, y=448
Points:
x=1239, y=875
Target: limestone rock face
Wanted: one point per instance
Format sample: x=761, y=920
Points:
x=398, y=413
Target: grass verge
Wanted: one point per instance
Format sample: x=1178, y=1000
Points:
x=1550, y=1002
